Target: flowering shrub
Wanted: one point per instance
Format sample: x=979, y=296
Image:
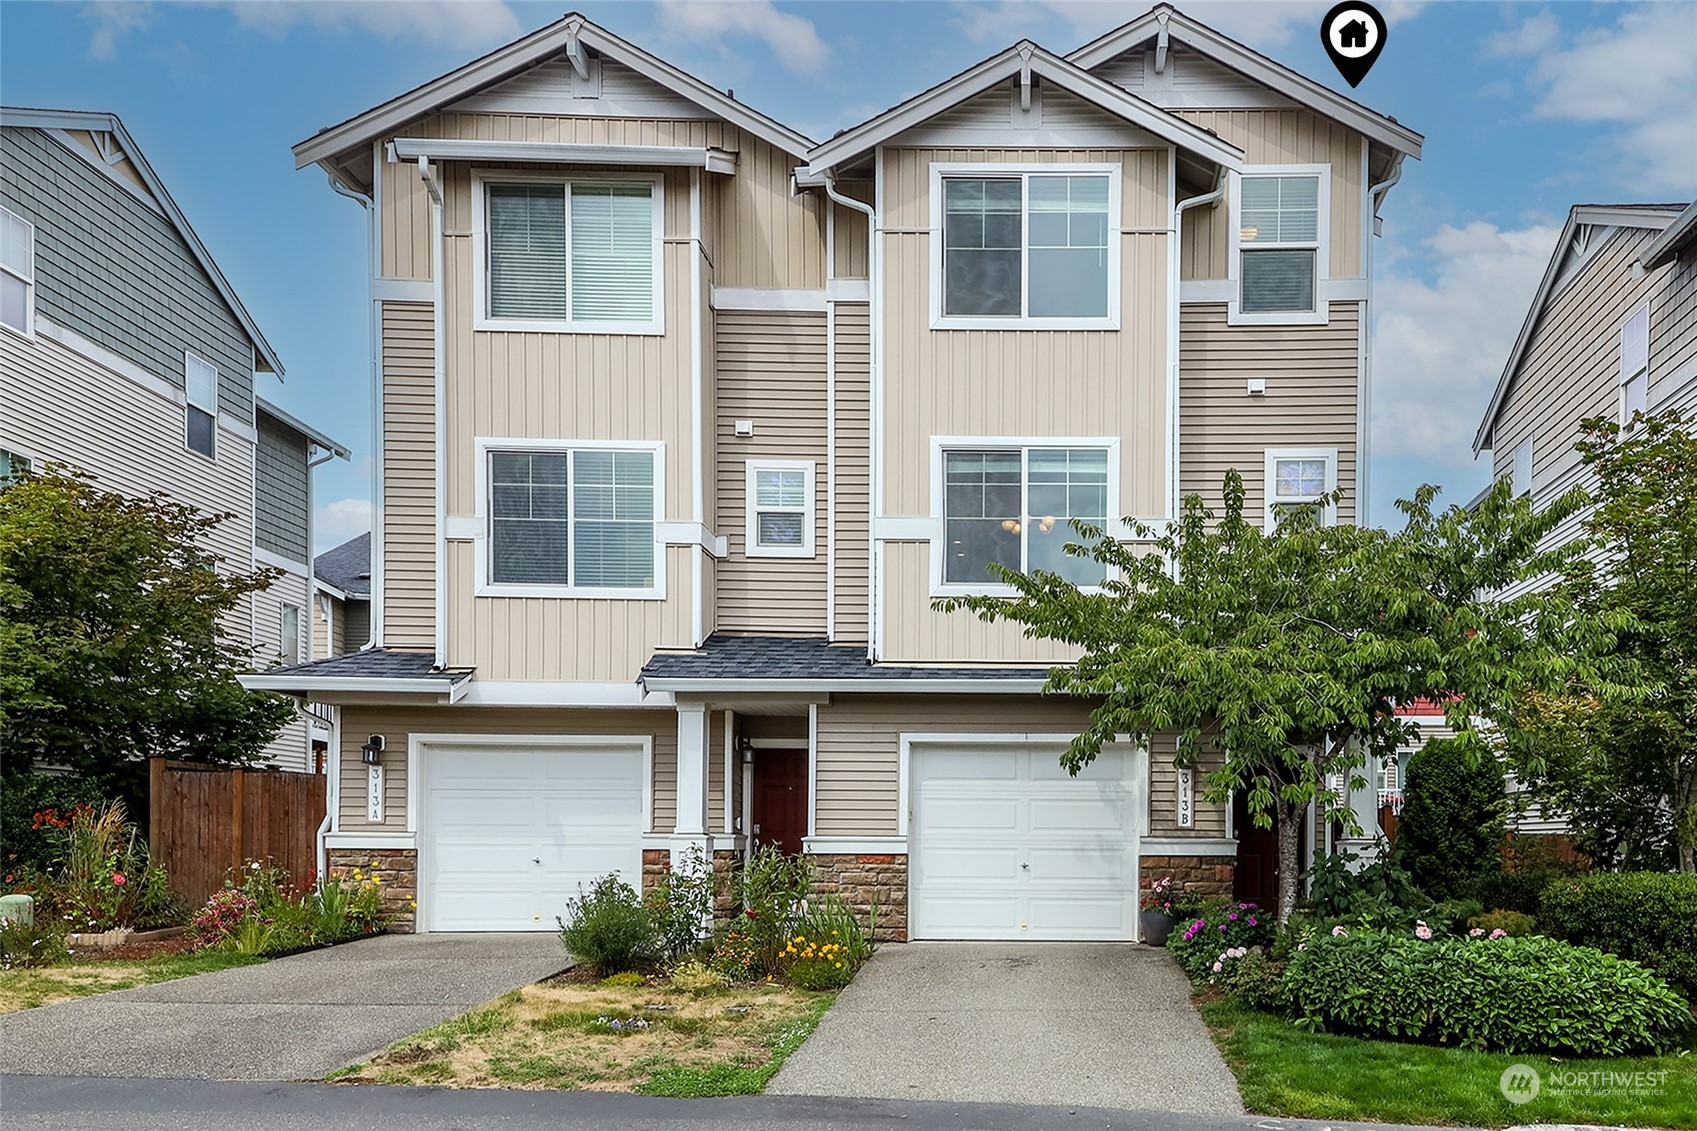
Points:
x=1160, y=895
x=266, y=914
x=105, y=878
x=223, y=913
x=817, y=963
x=1216, y=930
x=31, y=944
x=736, y=956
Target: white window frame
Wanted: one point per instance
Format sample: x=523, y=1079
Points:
x=190, y=405
x=483, y=320
x=488, y=588
x=1321, y=313
x=1640, y=366
x=943, y=170
x=28, y=328
x=9, y=456
x=752, y=509
x=1269, y=482
x=941, y=445
x=283, y=632
x=1520, y=468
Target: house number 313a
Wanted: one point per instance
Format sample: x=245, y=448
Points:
x=374, y=794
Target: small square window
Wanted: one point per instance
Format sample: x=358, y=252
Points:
x=780, y=509
x=1299, y=478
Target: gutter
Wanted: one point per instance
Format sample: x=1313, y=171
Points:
x=1174, y=314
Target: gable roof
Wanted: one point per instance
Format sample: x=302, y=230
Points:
x=289, y=420
x=563, y=35
x=1023, y=59
x=1656, y=216
x=36, y=118
x=347, y=567
x=1166, y=20
x=1680, y=234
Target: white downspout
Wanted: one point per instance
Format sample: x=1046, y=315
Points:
x=1211, y=199
x=439, y=319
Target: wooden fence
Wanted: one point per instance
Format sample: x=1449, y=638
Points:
x=205, y=820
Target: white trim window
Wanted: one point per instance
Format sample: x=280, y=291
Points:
x=289, y=633
x=1299, y=477
x=568, y=255
x=1634, y=364
x=1280, y=253
x=17, y=272
x=1023, y=247
x=13, y=467
x=780, y=513
x=1011, y=505
x=200, y=414
x=570, y=518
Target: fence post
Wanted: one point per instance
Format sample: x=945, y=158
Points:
x=156, y=808
x=236, y=815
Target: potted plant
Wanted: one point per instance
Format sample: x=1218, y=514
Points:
x=1158, y=917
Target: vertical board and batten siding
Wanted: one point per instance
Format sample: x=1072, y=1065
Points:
x=1015, y=383
x=854, y=464
x=353, y=631
x=409, y=476
x=1279, y=137
x=1673, y=336
x=291, y=749
x=327, y=636
x=852, y=251
x=114, y=269
x=771, y=370
x=398, y=724
x=859, y=755
x=1311, y=399
x=281, y=520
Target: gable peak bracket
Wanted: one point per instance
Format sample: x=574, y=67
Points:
x=1161, y=18
x=1025, y=53
x=576, y=54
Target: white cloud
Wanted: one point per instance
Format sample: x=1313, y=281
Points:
x=112, y=20
x=792, y=38
x=447, y=23
x=1537, y=35
x=1637, y=75
x=1440, y=344
x=335, y=522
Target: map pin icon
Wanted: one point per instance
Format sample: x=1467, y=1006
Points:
x=1354, y=34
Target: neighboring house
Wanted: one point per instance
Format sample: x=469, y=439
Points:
x=674, y=457
x=1612, y=332
x=125, y=352
x=342, y=618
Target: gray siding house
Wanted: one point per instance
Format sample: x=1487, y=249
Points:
x=125, y=351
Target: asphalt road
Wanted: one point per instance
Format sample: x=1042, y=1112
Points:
x=105, y=1104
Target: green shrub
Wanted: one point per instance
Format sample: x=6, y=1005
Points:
x=1453, y=819
x=1513, y=891
x=1256, y=980
x=1380, y=892
x=681, y=906
x=1514, y=924
x=1649, y=917
x=1201, y=942
x=735, y=954
x=1526, y=995
x=624, y=978
x=774, y=887
x=26, y=944
x=608, y=928
x=696, y=977
x=25, y=842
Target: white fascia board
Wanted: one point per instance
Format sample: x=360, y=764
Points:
x=310, y=685
x=712, y=159
x=1676, y=236
x=1046, y=65
x=1252, y=64
x=913, y=686
x=319, y=585
x=522, y=54
x=525, y=693
x=289, y=420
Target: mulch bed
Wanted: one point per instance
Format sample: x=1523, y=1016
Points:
x=182, y=944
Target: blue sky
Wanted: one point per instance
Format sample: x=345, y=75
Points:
x=1527, y=109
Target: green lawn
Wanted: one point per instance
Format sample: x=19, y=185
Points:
x=1283, y=1070
x=43, y=985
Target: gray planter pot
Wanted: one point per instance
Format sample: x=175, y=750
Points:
x=1157, y=925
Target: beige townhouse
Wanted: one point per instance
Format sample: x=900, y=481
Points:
x=685, y=420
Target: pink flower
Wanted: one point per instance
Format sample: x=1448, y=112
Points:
x=1422, y=931
x=1218, y=967
x=1476, y=933
x=118, y=878
x=1338, y=932
x=1499, y=933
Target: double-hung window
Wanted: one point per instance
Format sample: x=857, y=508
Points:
x=573, y=518
x=1013, y=507
x=289, y=634
x=1279, y=244
x=1300, y=478
x=1634, y=364
x=780, y=512
x=17, y=272
x=1026, y=248
x=578, y=255
x=200, y=381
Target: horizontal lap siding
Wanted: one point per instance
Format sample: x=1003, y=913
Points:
x=409, y=476
x=854, y=447
x=1311, y=399
x=1673, y=337
x=289, y=750
x=771, y=370
x=396, y=724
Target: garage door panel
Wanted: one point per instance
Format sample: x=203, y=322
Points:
x=1107, y=813
x=965, y=916
x=1079, y=916
x=1091, y=865
x=1108, y=767
x=967, y=863
x=968, y=764
x=971, y=816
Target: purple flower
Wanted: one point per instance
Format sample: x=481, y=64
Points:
x=1232, y=916
x=1252, y=922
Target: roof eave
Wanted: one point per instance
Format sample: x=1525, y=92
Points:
x=313, y=434
x=440, y=690
x=985, y=685
x=1675, y=238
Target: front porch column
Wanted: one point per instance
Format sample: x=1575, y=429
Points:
x=692, y=776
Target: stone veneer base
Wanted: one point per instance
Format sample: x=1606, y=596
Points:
x=1194, y=875
x=862, y=879
x=397, y=868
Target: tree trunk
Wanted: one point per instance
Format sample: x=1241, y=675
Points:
x=1289, y=828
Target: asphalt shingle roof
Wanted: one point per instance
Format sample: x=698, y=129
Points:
x=803, y=657
x=374, y=663
x=347, y=567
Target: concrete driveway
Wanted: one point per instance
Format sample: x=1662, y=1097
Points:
x=1035, y=1023
x=293, y=1018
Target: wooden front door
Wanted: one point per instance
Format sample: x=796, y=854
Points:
x=779, y=808
x=1256, y=879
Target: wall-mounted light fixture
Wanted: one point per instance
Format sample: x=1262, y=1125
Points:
x=371, y=751
x=745, y=746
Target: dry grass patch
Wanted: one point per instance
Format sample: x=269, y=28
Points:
x=652, y=1038
x=31, y=987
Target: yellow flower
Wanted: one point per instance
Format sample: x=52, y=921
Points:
x=412, y=903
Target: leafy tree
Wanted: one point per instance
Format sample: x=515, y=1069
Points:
x=1453, y=818
x=1279, y=658
x=114, y=636
x=1624, y=768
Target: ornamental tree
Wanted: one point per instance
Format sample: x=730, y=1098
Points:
x=1278, y=658
x=114, y=636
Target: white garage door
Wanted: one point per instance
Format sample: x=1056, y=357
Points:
x=511, y=831
x=1005, y=845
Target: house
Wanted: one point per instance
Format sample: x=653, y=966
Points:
x=342, y=611
x=685, y=419
x=1353, y=34
x=125, y=352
